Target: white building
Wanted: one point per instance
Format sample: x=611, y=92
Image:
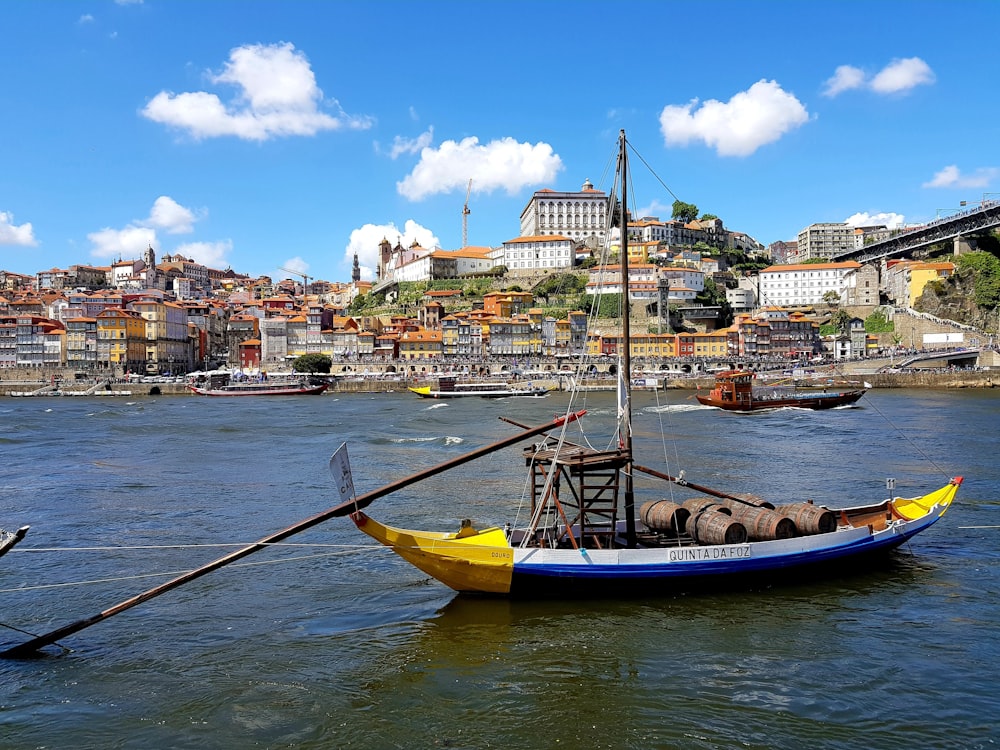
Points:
x=688, y=278
x=741, y=299
x=867, y=235
x=541, y=252
x=580, y=216
x=273, y=342
x=803, y=284
x=644, y=281
x=444, y=264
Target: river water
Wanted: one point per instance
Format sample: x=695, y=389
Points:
x=329, y=642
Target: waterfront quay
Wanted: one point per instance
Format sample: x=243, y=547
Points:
x=351, y=378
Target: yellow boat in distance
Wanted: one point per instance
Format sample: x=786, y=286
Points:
x=451, y=387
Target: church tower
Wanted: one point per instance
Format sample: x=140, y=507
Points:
x=149, y=258
x=356, y=271
x=384, y=254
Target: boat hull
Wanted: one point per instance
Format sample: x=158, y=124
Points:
x=311, y=390
x=428, y=392
x=799, y=401
x=485, y=562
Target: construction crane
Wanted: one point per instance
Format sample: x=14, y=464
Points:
x=304, y=277
x=465, y=216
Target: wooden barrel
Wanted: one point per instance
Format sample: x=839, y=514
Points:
x=713, y=527
x=809, y=518
x=663, y=515
x=764, y=524
x=698, y=504
x=754, y=500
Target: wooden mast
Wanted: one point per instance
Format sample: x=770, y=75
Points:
x=626, y=359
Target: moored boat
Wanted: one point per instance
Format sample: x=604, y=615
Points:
x=450, y=387
x=735, y=390
x=260, y=387
x=585, y=536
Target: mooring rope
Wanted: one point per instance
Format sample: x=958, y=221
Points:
x=171, y=573
x=115, y=548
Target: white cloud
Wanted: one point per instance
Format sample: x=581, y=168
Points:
x=365, y=241
x=401, y=145
x=85, y=18
x=898, y=76
x=132, y=240
x=211, y=254
x=12, y=234
x=128, y=243
x=902, y=75
x=169, y=215
x=657, y=209
x=951, y=177
x=749, y=120
x=504, y=164
x=277, y=96
x=845, y=77
x=864, y=219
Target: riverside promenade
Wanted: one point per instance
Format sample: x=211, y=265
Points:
x=860, y=373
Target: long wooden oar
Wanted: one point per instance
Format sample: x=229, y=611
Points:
x=31, y=647
x=11, y=539
x=685, y=483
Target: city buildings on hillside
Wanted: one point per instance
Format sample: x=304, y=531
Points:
x=416, y=263
x=905, y=279
x=867, y=235
x=534, y=253
x=644, y=282
x=581, y=217
x=823, y=241
x=782, y=253
x=803, y=283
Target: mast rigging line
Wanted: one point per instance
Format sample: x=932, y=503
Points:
x=651, y=171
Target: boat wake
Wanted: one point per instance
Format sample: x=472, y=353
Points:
x=442, y=439
x=674, y=408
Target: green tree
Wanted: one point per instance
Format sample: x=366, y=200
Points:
x=605, y=305
x=684, y=212
x=841, y=320
x=831, y=298
x=559, y=284
x=877, y=322
x=986, y=268
x=358, y=304
x=312, y=363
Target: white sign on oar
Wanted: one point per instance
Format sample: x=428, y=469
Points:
x=340, y=470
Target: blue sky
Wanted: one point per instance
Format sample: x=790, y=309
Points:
x=264, y=135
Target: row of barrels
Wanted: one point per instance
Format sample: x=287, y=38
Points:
x=736, y=520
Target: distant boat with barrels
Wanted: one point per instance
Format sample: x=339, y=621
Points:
x=736, y=390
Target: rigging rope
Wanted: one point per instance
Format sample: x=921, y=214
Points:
x=171, y=573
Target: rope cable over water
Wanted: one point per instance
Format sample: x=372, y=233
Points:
x=139, y=576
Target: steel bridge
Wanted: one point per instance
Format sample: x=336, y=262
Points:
x=985, y=215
